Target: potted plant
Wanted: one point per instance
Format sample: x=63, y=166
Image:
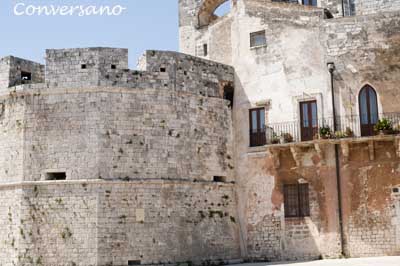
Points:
x=325, y=132
x=384, y=127
x=340, y=135
x=286, y=138
x=275, y=139
x=349, y=132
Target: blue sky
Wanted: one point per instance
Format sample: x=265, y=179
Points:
x=147, y=24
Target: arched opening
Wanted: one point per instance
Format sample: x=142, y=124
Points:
x=368, y=102
x=223, y=9
x=211, y=10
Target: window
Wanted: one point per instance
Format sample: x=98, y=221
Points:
x=205, y=49
x=219, y=179
x=368, y=102
x=257, y=127
x=57, y=176
x=296, y=200
x=310, y=2
x=26, y=76
x=83, y=66
x=134, y=262
x=113, y=67
x=258, y=39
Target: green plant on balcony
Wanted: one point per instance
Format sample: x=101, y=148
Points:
x=286, y=138
x=348, y=133
x=275, y=139
x=325, y=132
x=384, y=126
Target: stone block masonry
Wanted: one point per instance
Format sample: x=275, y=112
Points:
x=143, y=158
x=111, y=223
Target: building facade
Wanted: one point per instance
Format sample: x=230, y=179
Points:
x=308, y=187
x=258, y=142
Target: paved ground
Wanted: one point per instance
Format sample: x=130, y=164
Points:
x=382, y=261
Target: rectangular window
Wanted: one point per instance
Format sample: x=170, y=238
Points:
x=26, y=76
x=296, y=200
x=57, y=176
x=205, y=49
x=310, y=2
x=258, y=38
x=257, y=127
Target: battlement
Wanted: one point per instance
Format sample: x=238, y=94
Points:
x=16, y=71
x=108, y=67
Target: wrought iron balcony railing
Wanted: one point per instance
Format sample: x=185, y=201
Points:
x=347, y=127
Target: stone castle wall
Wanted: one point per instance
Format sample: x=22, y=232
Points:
x=122, y=133
x=147, y=156
x=11, y=68
x=170, y=122
x=112, y=223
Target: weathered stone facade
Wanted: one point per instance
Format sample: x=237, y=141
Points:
x=140, y=151
x=291, y=68
x=102, y=165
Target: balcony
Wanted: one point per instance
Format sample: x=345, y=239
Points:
x=322, y=129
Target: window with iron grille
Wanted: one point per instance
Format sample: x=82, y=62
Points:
x=257, y=127
x=258, y=38
x=296, y=200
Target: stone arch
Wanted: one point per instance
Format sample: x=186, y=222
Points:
x=206, y=12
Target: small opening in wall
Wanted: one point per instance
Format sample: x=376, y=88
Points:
x=328, y=14
x=113, y=67
x=57, y=176
x=229, y=93
x=163, y=69
x=219, y=179
x=134, y=262
x=396, y=190
x=83, y=66
x=26, y=76
x=205, y=49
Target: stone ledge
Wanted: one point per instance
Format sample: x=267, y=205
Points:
x=105, y=182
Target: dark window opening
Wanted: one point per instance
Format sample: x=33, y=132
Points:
x=26, y=76
x=369, y=116
x=257, y=127
x=57, y=176
x=83, y=66
x=396, y=190
x=134, y=262
x=229, y=94
x=205, y=49
x=163, y=69
x=113, y=67
x=310, y=2
x=287, y=1
x=309, y=120
x=328, y=14
x=296, y=200
x=219, y=179
x=258, y=38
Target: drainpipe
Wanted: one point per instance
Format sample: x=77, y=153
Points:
x=331, y=68
x=343, y=8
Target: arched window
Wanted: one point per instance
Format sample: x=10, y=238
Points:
x=369, y=116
